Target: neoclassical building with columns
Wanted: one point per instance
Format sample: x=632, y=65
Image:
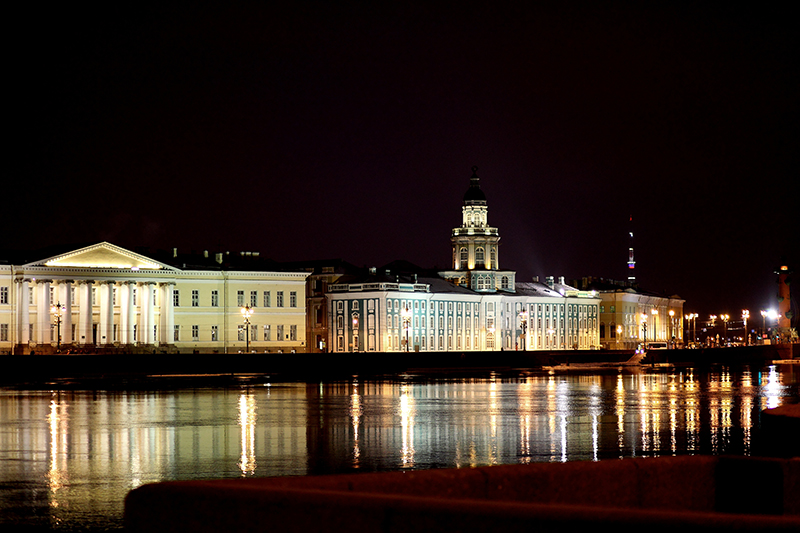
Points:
x=104, y=297
x=475, y=306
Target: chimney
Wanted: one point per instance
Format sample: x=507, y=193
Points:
x=536, y=279
x=219, y=258
x=205, y=254
x=174, y=252
x=561, y=280
x=550, y=281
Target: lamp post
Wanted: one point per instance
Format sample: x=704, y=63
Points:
x=406, y=316
x=247, y=312
x=724, y=319
x=672, y=327
x=619, y=334
x=644, y=331
x=745, y=316
x=57, y=311
x=693, y=318
x=523, y=324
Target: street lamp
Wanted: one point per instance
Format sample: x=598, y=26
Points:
x=724, y=319
x=523, y=324
x=405, y=314
x=644, y=331
x=672, y=326
x=57, y=311
x=619, y=334
x=247, y=312
x=693, y=318
x=745, y=316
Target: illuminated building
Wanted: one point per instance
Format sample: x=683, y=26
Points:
x=473, y=307
x=622, y=307
x=114, y=299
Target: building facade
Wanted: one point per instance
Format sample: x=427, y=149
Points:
x=475, y=306
x=629, y=316
x=104, y=297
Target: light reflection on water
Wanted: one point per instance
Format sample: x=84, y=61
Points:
x=68, y=458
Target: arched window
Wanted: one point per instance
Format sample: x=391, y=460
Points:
x=464, y=257
x=613, y=330
x=603, y=330
x=493, y=257
x=504, y=282
x=479, y=256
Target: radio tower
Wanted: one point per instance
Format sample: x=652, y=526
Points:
x=631, y=262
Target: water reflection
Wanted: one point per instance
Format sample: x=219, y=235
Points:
x=67, y=456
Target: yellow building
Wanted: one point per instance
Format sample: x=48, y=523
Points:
x=107, y=298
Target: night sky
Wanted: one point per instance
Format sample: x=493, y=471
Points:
x=334, y=130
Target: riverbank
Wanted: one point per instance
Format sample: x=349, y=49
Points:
x=124, y=369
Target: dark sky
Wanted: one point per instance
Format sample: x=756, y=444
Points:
x=325, y=130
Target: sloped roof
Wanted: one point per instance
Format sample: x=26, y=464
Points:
x=101, y=255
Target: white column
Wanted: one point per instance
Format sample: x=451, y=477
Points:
x=43, y=311
x=167, y=317
x=141, y=294
x=146, y=313
x=65, y=298
x=106, y=328
x=151, y=313
x=24, y=312
x=126, y=316
x=85, y=317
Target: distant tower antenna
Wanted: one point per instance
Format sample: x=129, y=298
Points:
x=631, y=262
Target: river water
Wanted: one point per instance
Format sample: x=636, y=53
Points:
x=69, y=457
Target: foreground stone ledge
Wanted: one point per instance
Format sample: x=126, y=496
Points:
x=660, y=494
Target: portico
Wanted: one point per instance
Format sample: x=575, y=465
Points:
x=110, y=298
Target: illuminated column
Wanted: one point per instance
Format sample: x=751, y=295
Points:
x=43, y=311
x=85, y=310
x=144, y=304
x=146, y=312
x=105, y=331
x=24, y=312
x=167, y=318
x=126, y=312
x=65, y=297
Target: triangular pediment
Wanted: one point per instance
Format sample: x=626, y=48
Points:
x=103, y=255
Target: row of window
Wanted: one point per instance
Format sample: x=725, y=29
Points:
x=195, y=329
x=266, y=297
x=280, y=333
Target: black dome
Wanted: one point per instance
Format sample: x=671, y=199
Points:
x=474, y=194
